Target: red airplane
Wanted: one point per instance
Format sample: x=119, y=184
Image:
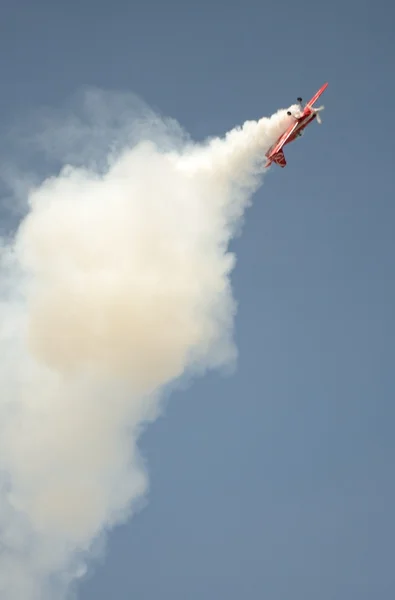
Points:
x=307, y=115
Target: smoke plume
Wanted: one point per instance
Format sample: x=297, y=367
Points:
x=114, y=285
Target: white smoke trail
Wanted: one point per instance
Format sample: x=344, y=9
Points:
x=115, y=285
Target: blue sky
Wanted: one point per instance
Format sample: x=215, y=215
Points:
x=277, y=481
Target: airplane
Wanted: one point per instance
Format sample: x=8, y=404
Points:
x=307, y=115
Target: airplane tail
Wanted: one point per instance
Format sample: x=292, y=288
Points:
x=277, y=158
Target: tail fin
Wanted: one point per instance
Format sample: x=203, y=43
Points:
x=279, y=159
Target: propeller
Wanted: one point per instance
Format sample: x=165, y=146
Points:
x=317, y=110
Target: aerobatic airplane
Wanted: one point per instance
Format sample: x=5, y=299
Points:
x=306, y=115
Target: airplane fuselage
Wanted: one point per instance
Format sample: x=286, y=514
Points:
x=307, y=117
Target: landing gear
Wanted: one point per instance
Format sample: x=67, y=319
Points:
x=299, y=99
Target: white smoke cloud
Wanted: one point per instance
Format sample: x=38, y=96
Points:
x=115, y=285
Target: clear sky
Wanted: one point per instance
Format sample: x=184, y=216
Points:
x=275, y=482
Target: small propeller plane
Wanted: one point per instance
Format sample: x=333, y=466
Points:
x=306, y=115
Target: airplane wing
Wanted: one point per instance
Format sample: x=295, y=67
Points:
x=317, y=95
x=281, y=141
